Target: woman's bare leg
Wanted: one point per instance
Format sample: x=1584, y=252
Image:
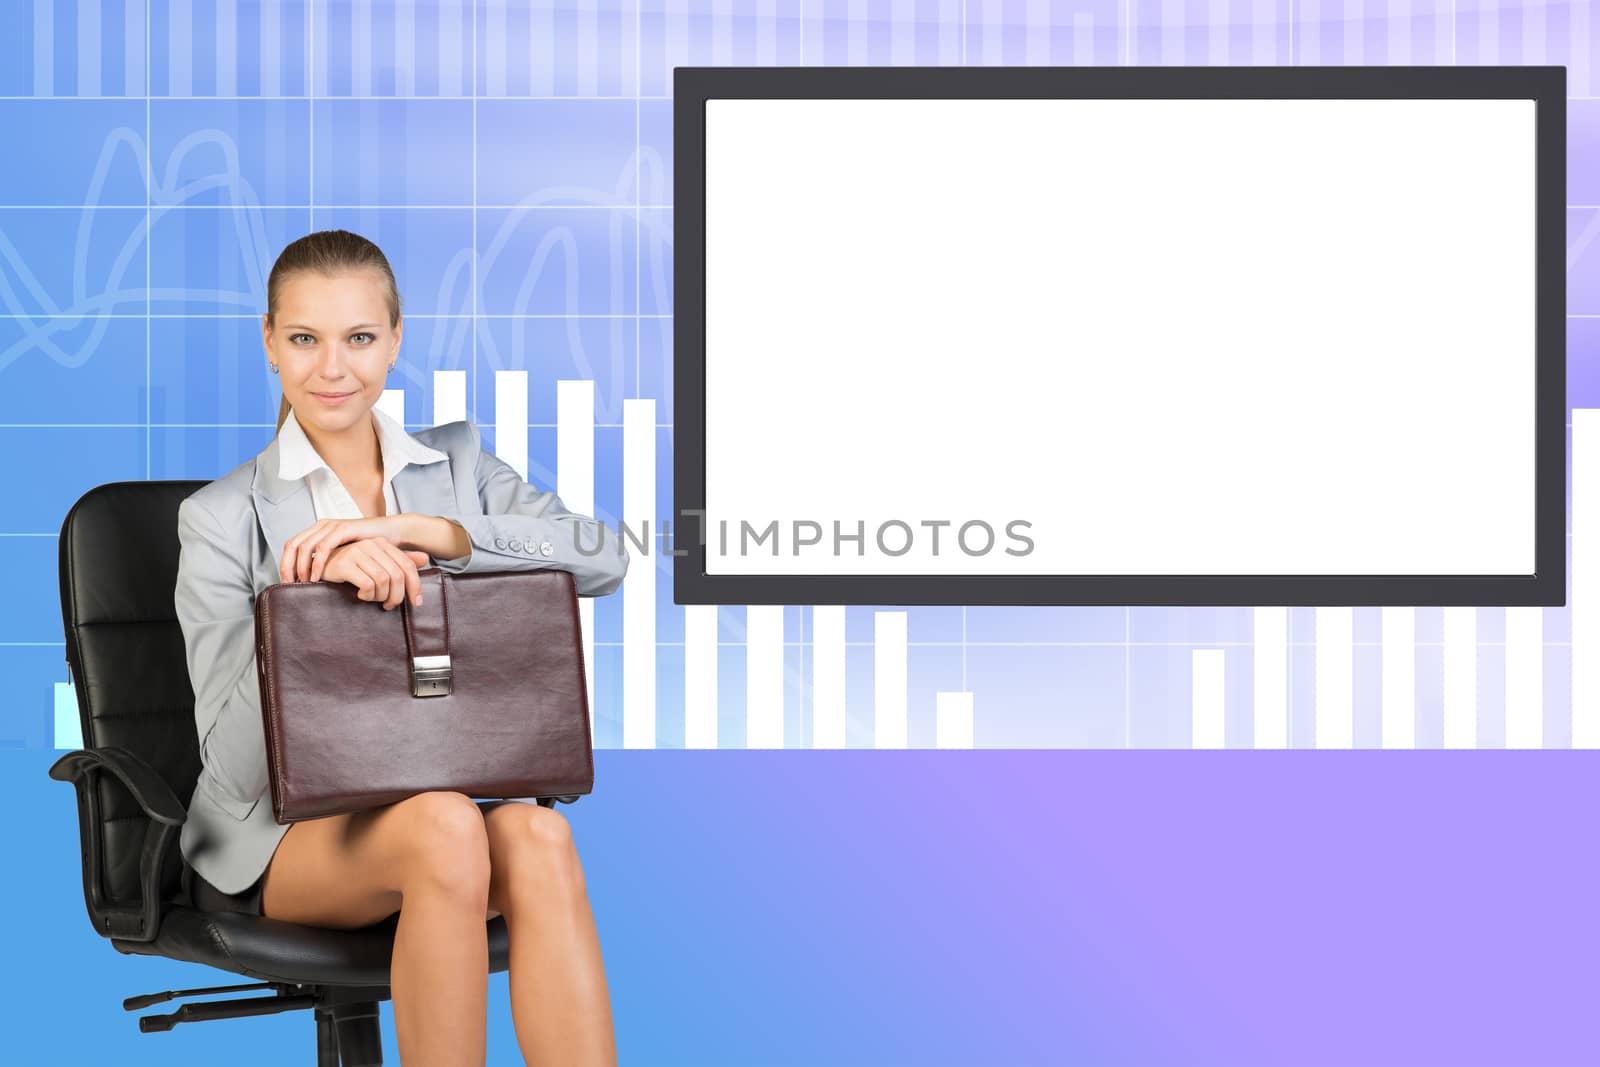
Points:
x=428, y=857
x=559, y=999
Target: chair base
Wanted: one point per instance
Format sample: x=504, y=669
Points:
x=348, y=1034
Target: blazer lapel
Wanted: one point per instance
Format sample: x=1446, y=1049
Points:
x=283, y=507
x=426, y=488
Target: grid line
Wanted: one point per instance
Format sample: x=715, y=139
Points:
x=472, y=401
x=149, y=240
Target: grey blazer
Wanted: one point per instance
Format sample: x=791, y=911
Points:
x=232, y=533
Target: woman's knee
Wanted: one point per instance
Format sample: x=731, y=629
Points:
x=532, y=847
x=446, y=846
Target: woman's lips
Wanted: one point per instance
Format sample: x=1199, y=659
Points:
x=333, y=398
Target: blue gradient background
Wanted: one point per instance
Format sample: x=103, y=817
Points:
x=515, y=161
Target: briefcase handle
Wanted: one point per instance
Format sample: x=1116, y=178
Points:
x=428, y=637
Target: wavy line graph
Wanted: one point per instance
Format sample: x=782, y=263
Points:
x=25, y=297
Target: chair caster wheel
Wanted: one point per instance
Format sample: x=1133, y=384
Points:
x=566, y=800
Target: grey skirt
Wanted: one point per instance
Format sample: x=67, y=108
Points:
x=203, y=895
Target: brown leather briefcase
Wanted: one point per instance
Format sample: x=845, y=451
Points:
x=479, y=690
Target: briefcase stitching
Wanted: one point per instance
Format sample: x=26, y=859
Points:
x=264, y=613
x=583, y=670
x=444, y=604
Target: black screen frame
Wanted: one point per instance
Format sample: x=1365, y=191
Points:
x=1545, y=85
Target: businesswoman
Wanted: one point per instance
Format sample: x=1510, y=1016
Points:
x=344, y=494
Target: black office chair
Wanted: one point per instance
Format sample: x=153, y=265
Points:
x=134, y=777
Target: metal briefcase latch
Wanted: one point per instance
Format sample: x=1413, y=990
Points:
x=428, y=638
x=430, y=676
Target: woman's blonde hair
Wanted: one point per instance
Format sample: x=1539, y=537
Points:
x=328, y=252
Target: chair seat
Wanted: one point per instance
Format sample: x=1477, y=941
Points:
x=274, y=950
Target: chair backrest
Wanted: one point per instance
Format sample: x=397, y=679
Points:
x=119, y=571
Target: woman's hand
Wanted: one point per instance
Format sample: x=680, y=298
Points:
x=307, y=552
x=380, y=569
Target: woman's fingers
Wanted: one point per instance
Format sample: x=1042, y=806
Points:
x=295, y=563
x=359, y=570
x=340, y=532
x=324, y=538
x=393, y=587
x=381, y=570
x=372, y=562
x=410, y=585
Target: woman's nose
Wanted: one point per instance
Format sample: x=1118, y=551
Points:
x=331, y=361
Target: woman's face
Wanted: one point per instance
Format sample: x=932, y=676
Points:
x=332, y=339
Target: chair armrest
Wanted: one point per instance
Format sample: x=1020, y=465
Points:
x=149, y=789
x=166, y=814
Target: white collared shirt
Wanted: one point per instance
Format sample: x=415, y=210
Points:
x=297, y=458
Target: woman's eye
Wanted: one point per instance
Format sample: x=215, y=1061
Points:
x=294, y=337
x=354, y=335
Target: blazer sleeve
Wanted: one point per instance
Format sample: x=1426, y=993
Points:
x=215, y=601
x=518, y=520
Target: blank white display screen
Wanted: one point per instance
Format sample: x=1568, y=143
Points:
x=1119, y=337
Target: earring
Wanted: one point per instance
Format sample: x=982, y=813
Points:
x=274, y=368
x=391, y=368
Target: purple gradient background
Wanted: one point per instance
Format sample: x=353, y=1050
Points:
x=1121, y=907
x=988, y=907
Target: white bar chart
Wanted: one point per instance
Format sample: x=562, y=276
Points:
x=393, y=404
x=952, y=713
x=889, y=679
x=575, y=484
x=1460, y=677
x=1399, y=665
x=68, y=729
x=953, y=727
x=1208, y=697
x=1271, y=668
x=511, y=419
x=827, y=676
x=700, y=664
x=639, y=588
x=1585, y=580
x=449, y=396
x=1524, y=677
x=763, y=694
x=1335, y=677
